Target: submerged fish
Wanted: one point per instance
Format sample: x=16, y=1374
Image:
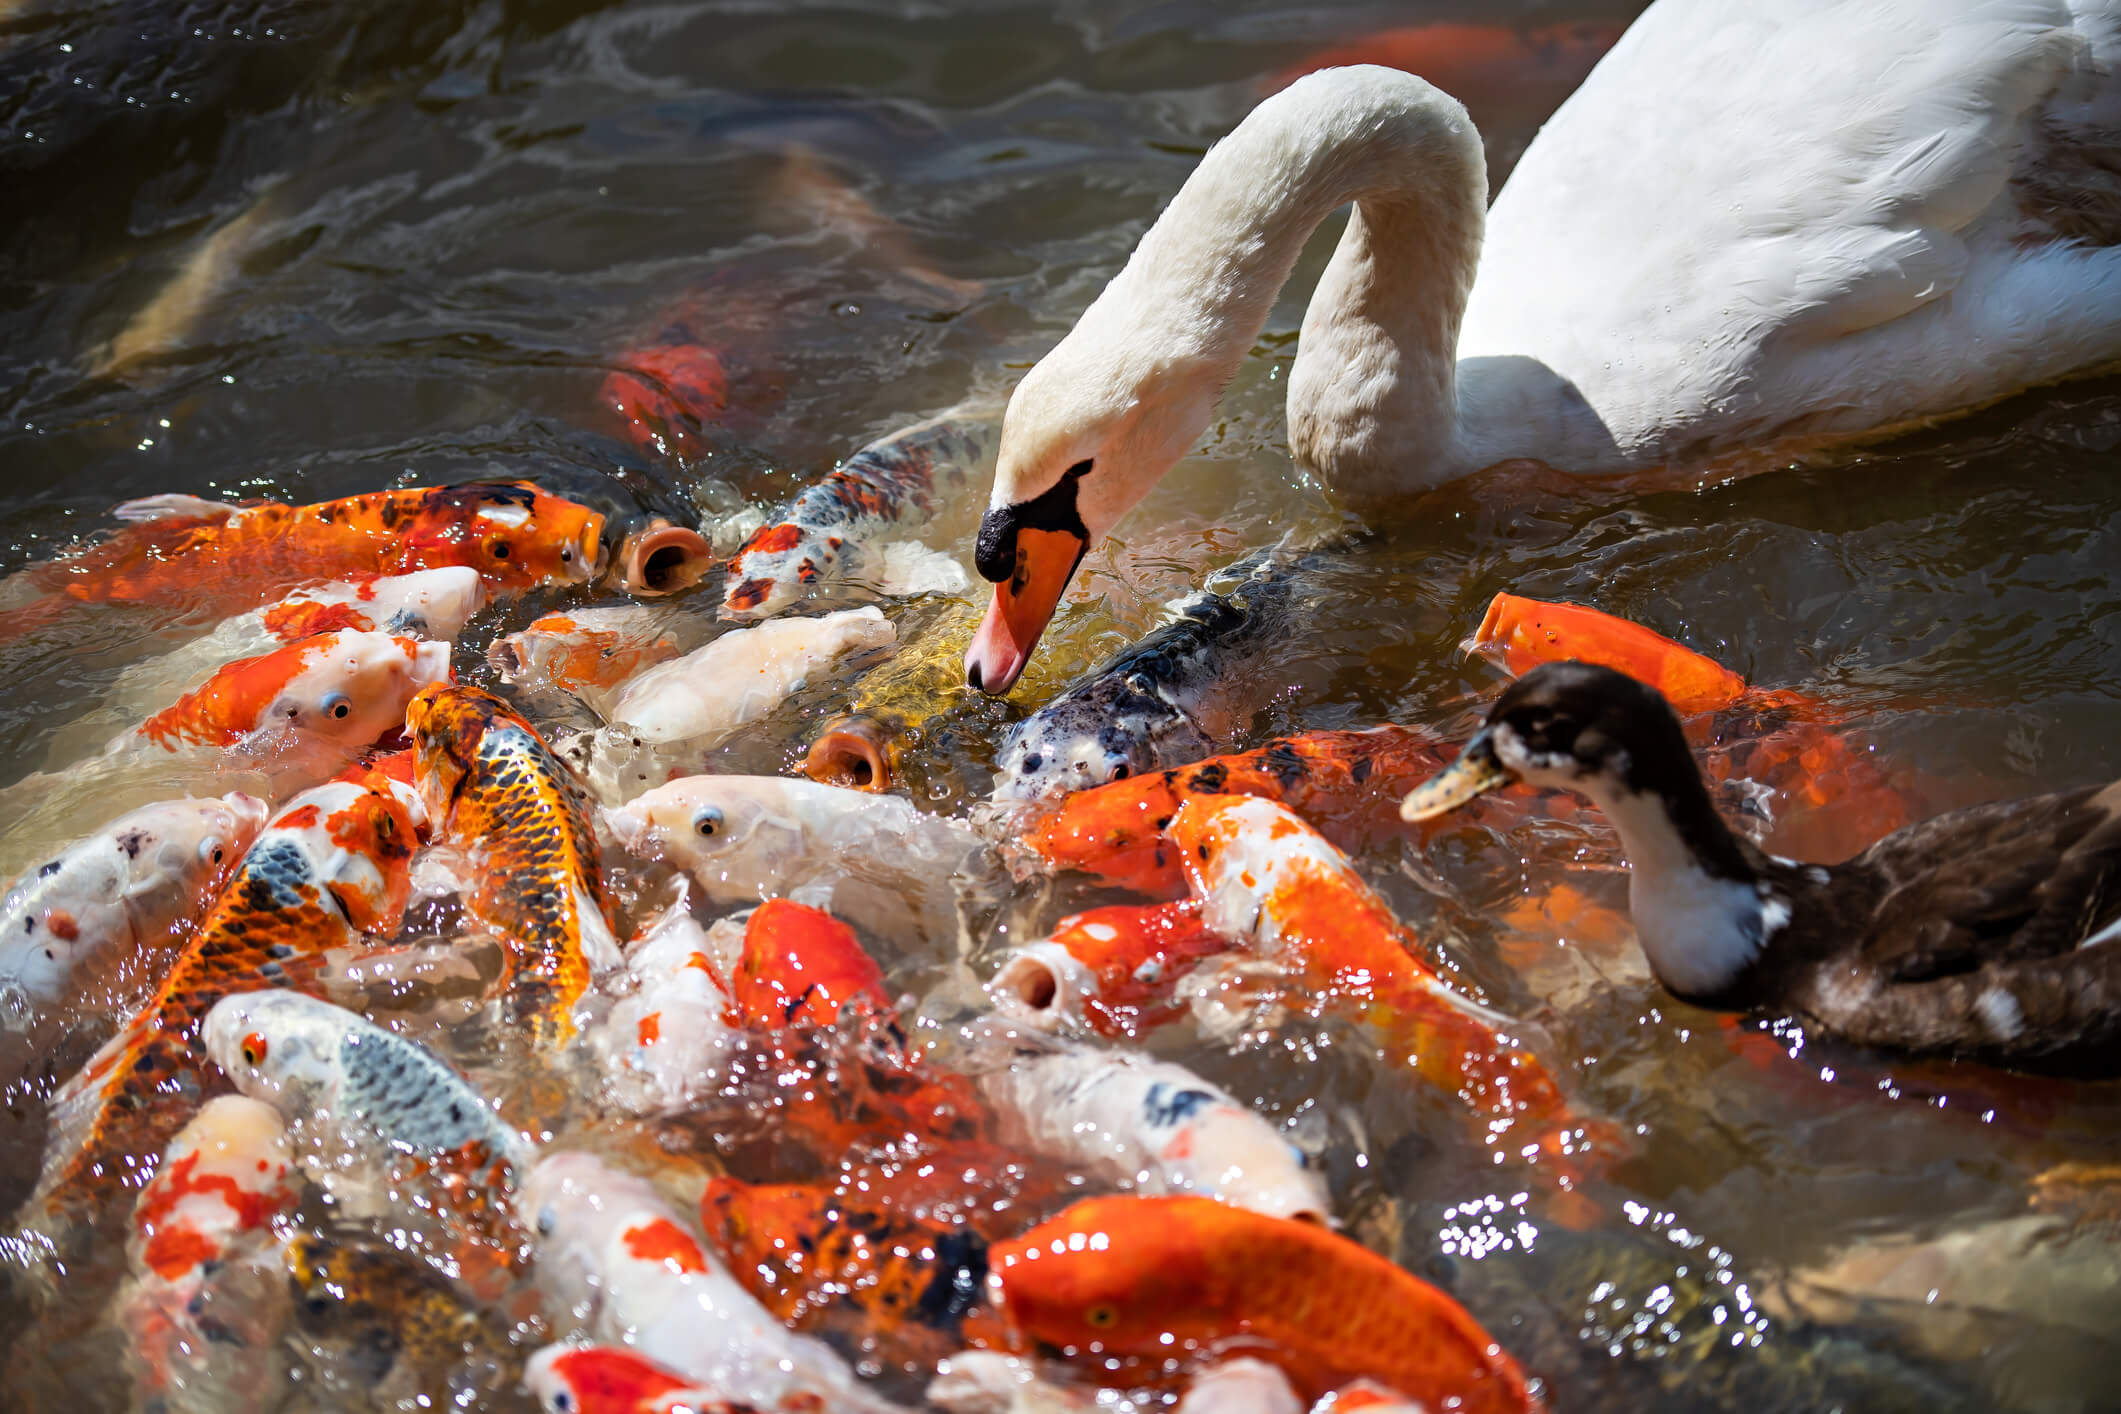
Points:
x=834, y=529
x=84, y=933
x=1152, y=1124
x=398, y=1330
x=658, y=1047
x=184, y=551
x=740, y=676
x=610, y=1379
x=1523, y=633
x=885, y=1279
x=1113, y=970
x=1149, y=1279
x=588, y=653
x=204, y=1309
x=1174, y=696
x=494, y=789
x=331, y=865
x=743, y=838
x=615, y=1255
x=1335, y=780
x=1267, y=879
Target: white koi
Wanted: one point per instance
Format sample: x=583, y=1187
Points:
x=659, y=1046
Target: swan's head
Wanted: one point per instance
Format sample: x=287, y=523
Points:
x=1088, y=432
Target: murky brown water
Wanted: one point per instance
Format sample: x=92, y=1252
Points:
x=452, y=219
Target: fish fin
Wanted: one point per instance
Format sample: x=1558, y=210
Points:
x=78, y=1105
x=174, y=505
x=599, y=947
x=907, y=567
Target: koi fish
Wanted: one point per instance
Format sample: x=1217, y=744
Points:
x=1152, y=1124
x=893, y=1284
x=431, y=604
x=181, y=550
x=1477, y=64
x=610, y=1379
x=658, y=1047
x=495, y=789
x=1369, y=1395
x=613, y=1253
x=587, y=653
x=1832, y=799
x=381, y=1097
x=744, y=838
x=405, y=1329
x=1173, y=696
x=1266, y=878
x=990, y=1382
x=1115, y=832
x=1147, y=1279
x=739, y=677
x=1110, y=970
x=833, y=530
x=801, y=964
x=330, y=866
x=205, y=1306
x=85, y=932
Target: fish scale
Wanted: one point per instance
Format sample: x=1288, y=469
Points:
x=283, y=908
x=517, y=810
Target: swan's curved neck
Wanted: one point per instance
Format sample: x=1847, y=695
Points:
x=1371, y=399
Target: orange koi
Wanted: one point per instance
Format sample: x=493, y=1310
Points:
x=347, y=688
x=588, y=652
x=1474, y=62
x=802, y=964
x=1523, y=633
x=208, y=554
x=822, y=1256
x=1112, y=969
x=610, y=1379
x=329, y=867
x=1144, y=1280
x=1341, y=781
x=662, y=394
x=1266, y=877
x=494, y=787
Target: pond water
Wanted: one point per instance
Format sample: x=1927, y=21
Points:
x=300, y=251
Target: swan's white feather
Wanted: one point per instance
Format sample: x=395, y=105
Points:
x=1803, y=218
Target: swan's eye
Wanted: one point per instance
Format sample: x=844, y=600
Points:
x=253, y=1049
x=708, y=823
x=338, y=706
x=1101, y=1317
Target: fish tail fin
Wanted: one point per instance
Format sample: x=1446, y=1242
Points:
x=40, y=613
x=108, y=1125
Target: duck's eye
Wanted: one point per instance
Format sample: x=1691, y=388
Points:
x=338, y=706
x=707, y=823
x=497, y=548
x=253, y=1049
x=1101, y=1317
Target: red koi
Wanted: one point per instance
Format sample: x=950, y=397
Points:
x=1113, y=969
x=802, y=964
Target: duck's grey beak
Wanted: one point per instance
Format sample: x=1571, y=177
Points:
x=1476, y=772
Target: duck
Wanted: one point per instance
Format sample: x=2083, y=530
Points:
x=1989, y=934
x=1751, y=228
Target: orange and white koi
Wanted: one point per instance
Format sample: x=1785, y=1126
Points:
x=494, y=788
x=1115, y=832
x=209, y=555
x=894, y=1281
x=1112, y=970
x=330, y=866
x=1151, y=1279
x=610, y=1379
x=611, y=1251
x=1268, y=879
x=206, y=1303
x=739, y=677
x=835, y=529
x=86, y=931
x=658, y=1049
x=1151, y=1124
x=588, y=653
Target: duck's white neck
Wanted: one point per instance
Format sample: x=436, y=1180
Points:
x=1371, y=398
x=1699, y=926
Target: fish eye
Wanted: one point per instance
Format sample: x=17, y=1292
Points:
x=212, y=850
x=566, y=554
x=1102, y=1317
x=562, y=1402
x=546, y=1221
x=498, y=548
x=253, y=1049
x=707, y=822
x=338, y=706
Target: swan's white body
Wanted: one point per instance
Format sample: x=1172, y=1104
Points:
x=1812, y=219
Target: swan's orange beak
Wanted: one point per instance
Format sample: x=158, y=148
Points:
x=1023, y=605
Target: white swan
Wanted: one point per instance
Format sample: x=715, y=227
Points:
x=1812, y=218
